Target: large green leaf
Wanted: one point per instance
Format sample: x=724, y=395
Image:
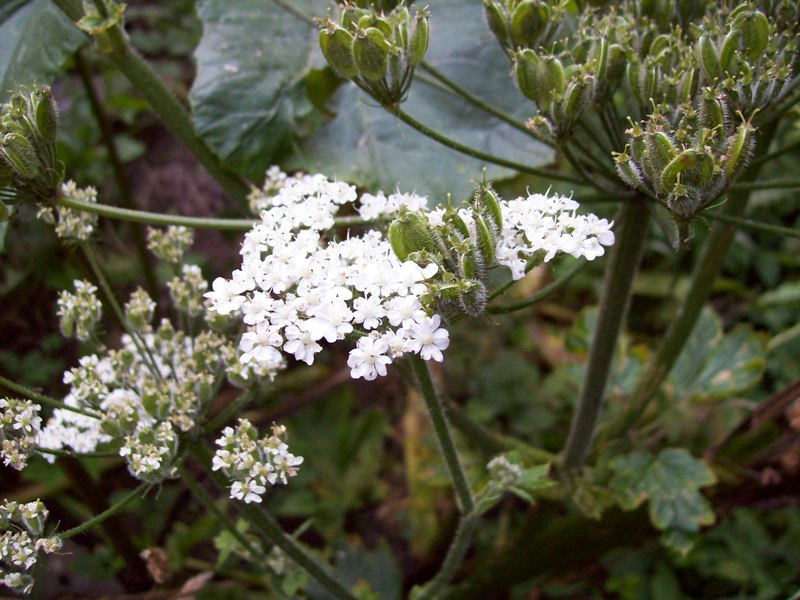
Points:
x=670, y=483
x=713, y=365
x=368, y=146
x=252, y=60
x=35, y=40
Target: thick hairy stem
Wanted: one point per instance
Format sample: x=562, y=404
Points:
x=163, y=102
x=453, y=559
x=442, y=431
x=706, y=270
x=632, y=219
x=109, y=512
x=270, y=529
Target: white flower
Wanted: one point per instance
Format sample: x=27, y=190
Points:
x=369, y=358
x=247, y=490
x=428, y=339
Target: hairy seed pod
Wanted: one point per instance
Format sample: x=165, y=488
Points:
x=419, y=39
x=660, y=149
x=754, y=28
x=484, y=238
x=740, y=149
x=713, y=111
x=470, y=268
x=46, y=114
x=729, y=45
x=337, y=48
x=351, y=15
x=682, y=162
x=528, y=22
x=528, y=74
x=20, y=155
x=630, y=172
x=411, y=233
x=472, y=297
x=707, y=56
x=370, y=54
x=488, y=203
x=577, y=97
x=599, y=56
x=454, y=220
x=552, y=77
x=497, y=21
x=686, y=86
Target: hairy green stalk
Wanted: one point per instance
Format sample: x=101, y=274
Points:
x=541, y=294
x=111, y=511
x=41, y=398
x=623, y=263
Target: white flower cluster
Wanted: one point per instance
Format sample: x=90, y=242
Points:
x=169, y=244
x=295, y=288
x=21, y=529
x=158, y=384
x=252, y=463
x=80, y=313
x=72, y=224
x=503, y=472
x=187, y=290
x=541, y=223
x=19, y=427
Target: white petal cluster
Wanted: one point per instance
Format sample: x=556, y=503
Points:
x=79, y=313
x=171, y=243
x=296, y=289
x=253, y=463
x=542, y=223
x=19, y=427
x=21, y=529
x=72, y=224
x=155, y=386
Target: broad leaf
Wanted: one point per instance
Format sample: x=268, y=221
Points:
x=366, y=145
x=35, y=40
x=670, y=483
x=252, y=60
x=370, y=574
x=713, y=365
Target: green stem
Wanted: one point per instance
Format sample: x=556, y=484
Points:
x=756, y=225
x=151, y=218
x=273, y=531
x=225, y=414
x=41, y=450
x=164, y=103
x=120, y=177
x=542, y=293
x=42, y=399
x=215, y=510
x=704, y=274
x=442, y=430
x=452, y=144
x=632, y=219
x=138, y=341
x=295, y=11
x=772, y=155
x=766, y=185
x=477, y=102
x=109, y=512
x=455, y=554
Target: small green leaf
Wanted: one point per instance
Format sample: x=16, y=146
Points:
x=24, y=58
x=713, y=365
x=670, y=483
x=93, y=22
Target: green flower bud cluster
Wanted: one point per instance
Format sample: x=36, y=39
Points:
x=28, y=129
x=519, y=24
x=377, y=50
x=687, y=166
x=462, y=246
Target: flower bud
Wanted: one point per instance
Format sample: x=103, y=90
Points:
x=528, y=22
x=337, y=48
x=370, y=51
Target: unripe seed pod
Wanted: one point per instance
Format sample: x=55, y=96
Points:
x=337, y=48
x=472, y=297
x=641, y=81
x=351, y=15
x=20, y=155
x=577, y=97
x=629, y=171
x=410, y=233
x=496, y=19
x=713, y=111
x=707, y=56
x=528, y=22
x=470, y=269
x=485, y=239
x=541, y=127
x=379, y=23
x=400, y=19
x=659, y=44
x=552, y=76
x=729, y=45
x=453, y=219
x=740, y=149
x=684, y=161
x=46, y=114
x=528, y=74
x=754, y=28
x=419, y=39
x=600, y=58
x=370, y=54
x=686, y=86
x=487, y=202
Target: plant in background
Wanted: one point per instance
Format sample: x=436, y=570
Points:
x=665, y=109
